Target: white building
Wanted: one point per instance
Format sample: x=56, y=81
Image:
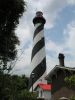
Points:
x=44, y=91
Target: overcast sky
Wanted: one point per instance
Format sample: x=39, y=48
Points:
x=59, y=33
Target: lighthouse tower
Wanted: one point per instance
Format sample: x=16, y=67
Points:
x=38, y=58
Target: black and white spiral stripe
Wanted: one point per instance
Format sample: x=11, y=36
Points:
x=38, y=58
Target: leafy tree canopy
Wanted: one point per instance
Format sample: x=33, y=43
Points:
x=11, y=87
x=10, y=12
x=70, y=80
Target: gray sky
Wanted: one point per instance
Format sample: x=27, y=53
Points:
x=59, y=33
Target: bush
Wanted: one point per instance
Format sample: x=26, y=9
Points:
x=72, y=98
x=26, y=95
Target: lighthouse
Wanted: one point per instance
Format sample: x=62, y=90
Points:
x=38, y=57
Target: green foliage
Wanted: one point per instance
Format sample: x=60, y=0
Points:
x=70, y=80
x=26, y=95
x=20, y=82
x=15, y=88
x=11, y=87
x=10, y=12
x=72, y=98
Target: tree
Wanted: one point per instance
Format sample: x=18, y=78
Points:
x=13, y=86
x=26, y=95
x=10, y=12
x=70, y=81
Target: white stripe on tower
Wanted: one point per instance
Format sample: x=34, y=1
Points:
x=38, y=58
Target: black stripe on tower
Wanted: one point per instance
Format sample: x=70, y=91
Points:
x=40, y=44
x=38, y=29
x=38, y=70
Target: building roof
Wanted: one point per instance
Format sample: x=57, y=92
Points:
x=46, y=87
x=57, y=67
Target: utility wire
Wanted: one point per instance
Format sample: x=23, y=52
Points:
x=17, y=59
